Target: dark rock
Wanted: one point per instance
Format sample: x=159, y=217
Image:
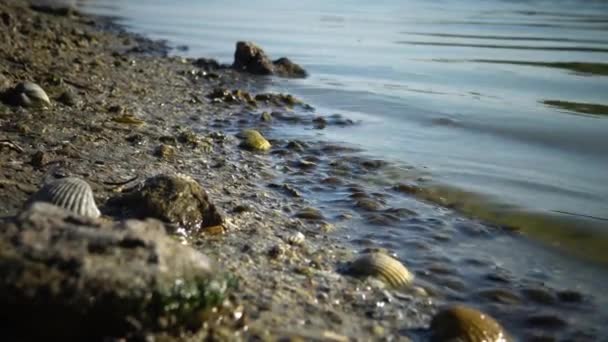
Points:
x=6, y=19
x=68, y=98
x=570, y=296
x=266, y=117
x=310, y=214
x=165, y=152
x=57, y=10
x=76, y=278
x=207, y=63
x=319, y=122
x=546, y=321
x=176, y=199
x=286, y=68
x=368, y=204
x=251, y=58
x=40, y=159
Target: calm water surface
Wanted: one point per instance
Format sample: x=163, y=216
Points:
x=490, y=100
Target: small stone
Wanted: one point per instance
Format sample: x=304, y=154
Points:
x=570, y=296
x=368, y=204
x=539, y=295
x=68, y=98
x=40, y=159
x=266, y=117
x=276, y=251
x=546, y=321
x=319, y=123
x=310, y=214
x=502, y=296
x=462, y=323
x=165, y=152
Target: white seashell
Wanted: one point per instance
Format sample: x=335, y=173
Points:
x=296, y=239
x=384, y=267
x=73, y=194
x=31, y=94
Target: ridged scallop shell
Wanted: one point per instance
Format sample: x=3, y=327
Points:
x=296, y=239
x=30, y=94
x=72, y=193
x=461, y=323
x=384, y=267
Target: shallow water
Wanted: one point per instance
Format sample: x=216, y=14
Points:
x=495, y=105
x=479, y=94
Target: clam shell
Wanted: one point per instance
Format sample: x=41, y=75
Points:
x=31, y=94
x=254, y=140
x=296, y=239
x=462, y=323
x=72, y=193
x=382, y=266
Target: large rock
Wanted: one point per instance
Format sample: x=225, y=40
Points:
x=67, y=277
x=286, y=68
x=176, y=199
x=249, y=57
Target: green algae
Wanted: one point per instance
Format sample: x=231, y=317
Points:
x=578, y=107
x=580, y=236
x=598, y=69
x=583, y=68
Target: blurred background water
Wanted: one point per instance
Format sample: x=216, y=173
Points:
x=493, y=97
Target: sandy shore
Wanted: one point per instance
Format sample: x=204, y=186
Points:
x=121, y=112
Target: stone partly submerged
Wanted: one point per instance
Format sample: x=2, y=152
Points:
x=250, y=58
x=254, y=140
x=68, y=277
x=26, y=94
x=176, y=199
x=462, y=323
x=383, y=267
x=71, y=193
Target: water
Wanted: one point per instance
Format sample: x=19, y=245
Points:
x=481, y=97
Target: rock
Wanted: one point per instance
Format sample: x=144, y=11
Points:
x=207, y=63
x=176, y=199
x=309, y=214
x=40, y=159
x=66, y=277
x=286, y=68
x=165, y=152
x=251, y=58
x=266, y=117
x=462, y=323
x=254, y=140
x=68, y=98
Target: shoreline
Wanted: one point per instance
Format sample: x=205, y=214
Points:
x=112, y=75
x=116, y=75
